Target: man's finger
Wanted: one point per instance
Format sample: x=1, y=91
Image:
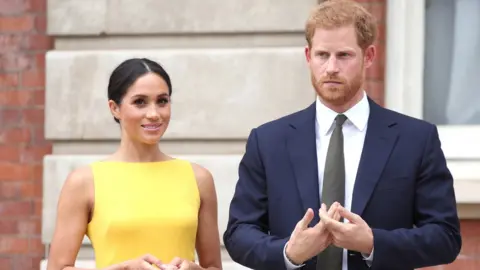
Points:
x=333, y=209
x=352, y=217
x=322, y=212
x=307, y=218
x=324, y=217
x=336, y=215
x=330, y=223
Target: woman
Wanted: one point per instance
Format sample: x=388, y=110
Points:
x=140, y=208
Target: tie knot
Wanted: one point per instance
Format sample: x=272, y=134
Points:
x=340, y=119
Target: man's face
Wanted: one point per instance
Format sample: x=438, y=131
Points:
x=337, y=65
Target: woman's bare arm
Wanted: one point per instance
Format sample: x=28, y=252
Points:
x=72, y=218
x=208, y=239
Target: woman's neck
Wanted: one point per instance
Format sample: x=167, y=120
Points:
x=130, y=151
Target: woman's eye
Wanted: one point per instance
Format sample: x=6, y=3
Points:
x=139, y=102
x=163, y=101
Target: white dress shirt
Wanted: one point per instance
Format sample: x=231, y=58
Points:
x=354, y=130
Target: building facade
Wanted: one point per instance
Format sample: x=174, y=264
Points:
x=240, y=60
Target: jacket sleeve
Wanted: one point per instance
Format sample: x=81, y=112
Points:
x=435, y=238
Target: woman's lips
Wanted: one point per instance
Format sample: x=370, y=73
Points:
x=152, y=127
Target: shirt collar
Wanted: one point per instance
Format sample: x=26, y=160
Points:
x=357, y=115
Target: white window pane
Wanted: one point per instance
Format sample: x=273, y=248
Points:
x=452, y=62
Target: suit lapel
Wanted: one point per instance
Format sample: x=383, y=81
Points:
x=379, y=141
x=303, y=158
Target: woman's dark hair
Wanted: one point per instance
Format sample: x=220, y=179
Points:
x=128, y=72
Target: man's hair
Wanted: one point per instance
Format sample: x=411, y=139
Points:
x=338, y=13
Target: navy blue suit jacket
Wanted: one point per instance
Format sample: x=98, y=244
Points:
x=403, y=190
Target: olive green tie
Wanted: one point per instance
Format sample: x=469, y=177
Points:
x=333, y=190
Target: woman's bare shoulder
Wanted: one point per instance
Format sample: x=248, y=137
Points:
x=202, y=174
x=79, y=182
x=204, y=179
x=80, y=177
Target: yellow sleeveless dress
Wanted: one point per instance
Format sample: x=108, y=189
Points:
x=143, y=208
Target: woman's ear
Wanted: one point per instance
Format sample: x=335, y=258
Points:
x=114, y=109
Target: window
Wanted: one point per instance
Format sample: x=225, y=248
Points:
x=452, y=62
x=433, y=73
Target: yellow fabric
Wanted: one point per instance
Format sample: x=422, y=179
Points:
x=143, y=208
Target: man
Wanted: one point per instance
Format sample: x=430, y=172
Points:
x=345, y=183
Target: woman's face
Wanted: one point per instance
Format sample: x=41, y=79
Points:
x=144, y=112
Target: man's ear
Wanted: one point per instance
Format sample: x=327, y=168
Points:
x=369, y=55
x=114, y=109
x=307, y=54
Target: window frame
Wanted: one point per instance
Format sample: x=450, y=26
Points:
x=405, y=37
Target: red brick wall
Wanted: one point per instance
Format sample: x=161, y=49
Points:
x=23, y=43
x=374, y=83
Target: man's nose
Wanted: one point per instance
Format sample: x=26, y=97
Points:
x=332, y=65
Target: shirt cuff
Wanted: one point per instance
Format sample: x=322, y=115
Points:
x=368, y=258
x=289, y=264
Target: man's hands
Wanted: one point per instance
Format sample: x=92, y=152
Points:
x=354, y=235
x=307, y=242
